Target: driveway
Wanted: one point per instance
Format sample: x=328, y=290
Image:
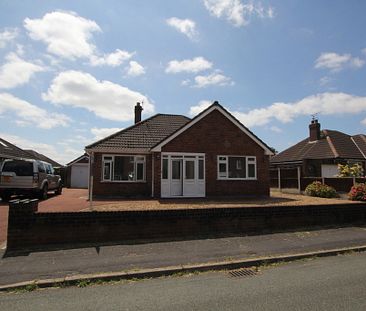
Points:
x=71, y=200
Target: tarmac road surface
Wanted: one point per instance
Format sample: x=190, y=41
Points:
x=331, y=283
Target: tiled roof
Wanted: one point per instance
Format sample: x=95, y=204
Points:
x=38, y=156
x=81, y=159
x=8, y=150
x=142, y=135
x=331, y=145
x=360, y=141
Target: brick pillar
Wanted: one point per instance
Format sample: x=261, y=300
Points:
x=21, y=217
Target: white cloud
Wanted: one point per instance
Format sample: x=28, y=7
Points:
x=325, y=80
x=70, y=36
x=194, y=65
x=135, y=69
x=185, y=26
x=337, y=62
x=100, y=133
x=29, y=114
x=186, y=82
x=65, y=33
x=8, y=35
x=237, y=12
x=215, y=78
x=50, y=151
x=202, y=105
x=363, y=121
x=276, y=129
x=104, y=98
x=324, y=103
x=113, y=59
x=17, y=71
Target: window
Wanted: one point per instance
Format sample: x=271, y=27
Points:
x=41, y=168
x=201, y=169
x=49, y=169
x=19, y=167
x=176, y=168
x=165, y=168
x=236, y=167
x=123, y=168
x=189, y=169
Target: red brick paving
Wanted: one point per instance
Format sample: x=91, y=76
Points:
x=71, y=200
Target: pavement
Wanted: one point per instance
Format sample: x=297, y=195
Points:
x=46, y=268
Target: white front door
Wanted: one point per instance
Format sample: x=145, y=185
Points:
x=183, y=175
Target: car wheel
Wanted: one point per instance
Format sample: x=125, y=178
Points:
x=59, y=190
x=44, y=192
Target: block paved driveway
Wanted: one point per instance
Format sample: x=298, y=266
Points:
x=71, y=200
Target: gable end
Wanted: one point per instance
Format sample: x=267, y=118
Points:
x=218, y=107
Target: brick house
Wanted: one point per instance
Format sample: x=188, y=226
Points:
x=169, y=156
x=318, y=155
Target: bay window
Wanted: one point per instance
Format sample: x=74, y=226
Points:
x=124, y=168
x=236, y=167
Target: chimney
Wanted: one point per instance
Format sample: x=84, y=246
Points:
x=138, y=110
x=314, y=130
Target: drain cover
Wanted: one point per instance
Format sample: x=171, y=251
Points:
x=241, y=273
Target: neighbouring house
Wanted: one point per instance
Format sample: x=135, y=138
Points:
x=10, y=151
x=318, y=155
x=77, y=172
x=39, y=156
x=171, y=156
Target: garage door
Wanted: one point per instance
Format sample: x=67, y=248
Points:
x=79, y=176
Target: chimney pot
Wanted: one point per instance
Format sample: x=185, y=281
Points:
x=138, y=110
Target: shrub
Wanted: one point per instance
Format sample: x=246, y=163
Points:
x=358, y=193
x=348, y=170
x=317, y=189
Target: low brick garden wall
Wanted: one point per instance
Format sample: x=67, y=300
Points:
x=28, y=228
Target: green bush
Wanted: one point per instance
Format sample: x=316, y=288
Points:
x=357, y=193
x=317, y=189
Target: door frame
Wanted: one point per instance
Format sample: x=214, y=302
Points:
x=196, y=183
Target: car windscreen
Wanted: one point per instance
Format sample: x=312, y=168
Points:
x=20, y=168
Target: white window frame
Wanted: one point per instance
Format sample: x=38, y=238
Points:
x=137, y=159
x=224, y=159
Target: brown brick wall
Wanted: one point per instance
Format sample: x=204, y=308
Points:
x=216, y=135
x=29, y=229
x=120, y=189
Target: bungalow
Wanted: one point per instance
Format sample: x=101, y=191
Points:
x=10, y=151
x=172, y=156
x=319, y=154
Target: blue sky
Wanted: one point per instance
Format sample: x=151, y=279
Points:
x=71, y=71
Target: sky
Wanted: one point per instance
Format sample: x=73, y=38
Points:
x=72, y=71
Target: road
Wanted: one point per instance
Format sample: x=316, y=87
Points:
x=332, y=283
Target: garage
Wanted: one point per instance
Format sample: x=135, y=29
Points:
x=79, y=176
x=78, y=172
